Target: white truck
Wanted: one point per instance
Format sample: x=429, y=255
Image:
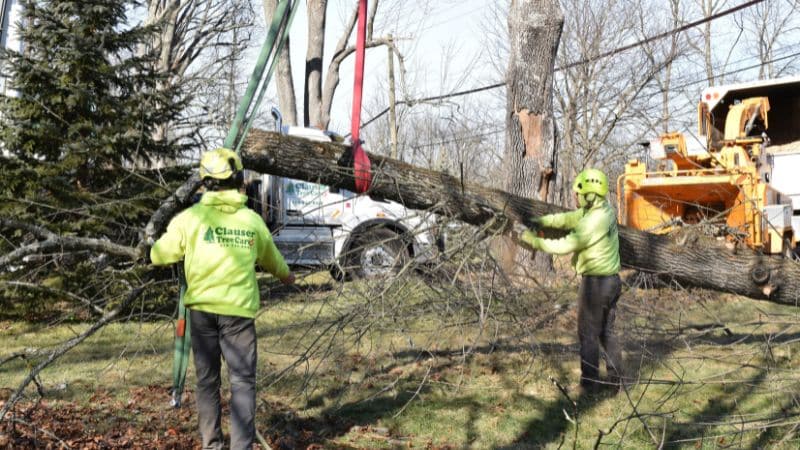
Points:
x=353, y=235
x=785, y=164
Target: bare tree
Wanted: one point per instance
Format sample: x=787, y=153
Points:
x=534, y=30
x=320, y=85
x=283, y=74
x=769, y=26
x=707, y=47
x=666, y=51
x=604, y=106
x=199, y=43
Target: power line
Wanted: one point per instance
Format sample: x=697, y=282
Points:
x=434, y=98
x=651, y=95
x=664, y=34
x=580, y=62
x=730, y=72
x=462, y=138
x=683, y=77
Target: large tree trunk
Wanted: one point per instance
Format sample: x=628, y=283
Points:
x=312, y=106
x=534, y=28
x=283, y=73
x=689, y=263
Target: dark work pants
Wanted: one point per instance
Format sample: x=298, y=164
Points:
x=233, y=338
x=597, y=309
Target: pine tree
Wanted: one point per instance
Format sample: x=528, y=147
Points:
x=87, y=105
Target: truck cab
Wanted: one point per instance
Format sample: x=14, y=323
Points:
x=353, y=235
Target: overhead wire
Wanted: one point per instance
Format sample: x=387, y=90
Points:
x=663, y=35
x=587, y=60
x=460, y=138
x=648, y=96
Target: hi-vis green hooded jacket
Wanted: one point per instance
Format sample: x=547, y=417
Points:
x=593, y=238
x=220, y=240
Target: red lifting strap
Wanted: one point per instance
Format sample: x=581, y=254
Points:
x=180, y=331
x=361, y=164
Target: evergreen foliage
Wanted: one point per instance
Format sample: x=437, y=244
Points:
x=87, y=108
x=78, y=137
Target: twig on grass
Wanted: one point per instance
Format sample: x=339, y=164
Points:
x=69, y=345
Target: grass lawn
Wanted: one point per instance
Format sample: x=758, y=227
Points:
x=362, y=365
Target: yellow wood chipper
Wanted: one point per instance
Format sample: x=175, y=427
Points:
x=722, y=179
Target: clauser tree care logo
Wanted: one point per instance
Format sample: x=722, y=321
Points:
x=230, y=237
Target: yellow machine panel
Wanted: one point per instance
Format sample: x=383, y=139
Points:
x=721, y=186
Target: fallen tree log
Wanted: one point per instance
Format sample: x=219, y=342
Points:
x=688, y=262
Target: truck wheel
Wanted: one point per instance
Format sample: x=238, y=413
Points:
x=337, y=273
x=377, y=253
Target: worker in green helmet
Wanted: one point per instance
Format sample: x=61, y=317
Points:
x=594, y=242
x=220, y=240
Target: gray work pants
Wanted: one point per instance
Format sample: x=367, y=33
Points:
x=597, y=309
x=233, y=338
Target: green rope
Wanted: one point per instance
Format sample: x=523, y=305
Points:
x=255, y=79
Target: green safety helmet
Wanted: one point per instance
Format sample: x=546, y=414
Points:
x=591, y=181
x=217, y=164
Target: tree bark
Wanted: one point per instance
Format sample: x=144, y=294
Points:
x=688, y=262
x=534, y=30
x=283, y=74
x=312, y=106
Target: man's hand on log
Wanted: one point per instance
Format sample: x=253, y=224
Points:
x=289, y=279
x=527, y=236
x=517, y=231
x=143, y=251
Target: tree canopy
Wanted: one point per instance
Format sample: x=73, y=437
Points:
x=82, y=116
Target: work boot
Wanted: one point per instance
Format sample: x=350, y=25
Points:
x=589, y=389
x=613, y=384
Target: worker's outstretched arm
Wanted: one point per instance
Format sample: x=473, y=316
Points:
x=270, y=258
x=587, y=230
x=171, y=246
x=561, y=221
x=568, y=244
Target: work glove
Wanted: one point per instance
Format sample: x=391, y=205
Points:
x=288, y=280
x=143, y=251
x=535, y=224
x=524, y=235
x=530, y=237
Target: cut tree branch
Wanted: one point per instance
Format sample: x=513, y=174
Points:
x=54, y=242
x=55, y=292
x=699, y=264
x=70, y=344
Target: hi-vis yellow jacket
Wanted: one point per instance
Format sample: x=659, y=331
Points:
x=593, y=238
x=220, y=240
